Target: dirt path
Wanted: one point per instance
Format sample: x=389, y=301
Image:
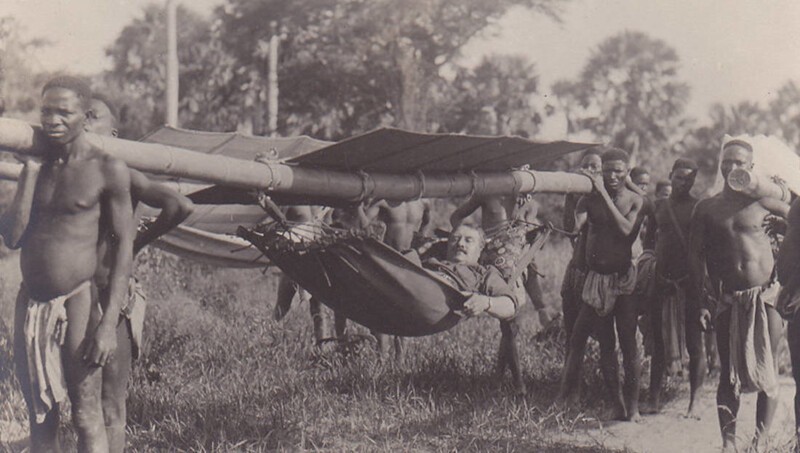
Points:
x=670, y=431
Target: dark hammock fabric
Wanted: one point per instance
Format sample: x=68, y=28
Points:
x=367, y=281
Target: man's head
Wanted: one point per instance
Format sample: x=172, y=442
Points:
x=591, y=162
x=465, y=245
x=736, y=154
x=615, y=168
x=663, y=189
x=682, y=176
x=65, y=103
x=641, y=177
x=103, y=116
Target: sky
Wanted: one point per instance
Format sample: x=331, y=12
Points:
x=731, y=50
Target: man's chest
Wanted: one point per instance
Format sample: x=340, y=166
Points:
x=68, y=188
x=737, y=219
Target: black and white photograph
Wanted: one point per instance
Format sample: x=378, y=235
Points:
x=400, y=226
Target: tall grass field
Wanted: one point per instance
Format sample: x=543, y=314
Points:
x=218, y=374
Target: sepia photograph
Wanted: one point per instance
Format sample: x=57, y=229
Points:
x=399, y=226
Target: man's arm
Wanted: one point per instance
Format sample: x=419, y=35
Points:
x=698, y=273
x=463, y=211
x=626, y=223
x=14, y=221
x=175, y=208
x=116, y=203
x=426, y=216
x=775, y=206
x=788, y=264
x=651, y=229
x=500, y=307
x=579, y=216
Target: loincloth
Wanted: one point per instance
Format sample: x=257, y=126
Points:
x=600, y=291
x=672, y=294
x=752, y=367
x=45, y=331
x=133, y=312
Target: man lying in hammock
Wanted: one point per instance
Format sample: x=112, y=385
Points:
x=492, y=295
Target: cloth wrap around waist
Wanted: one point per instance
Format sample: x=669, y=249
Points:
x=672, y=294
x=600, y=291
x=45, y=330
x=752, y=367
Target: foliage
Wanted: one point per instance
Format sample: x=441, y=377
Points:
x=493, y=98
x=138, y=75
x=629, y=95
x=349, y=65
x=20, y=78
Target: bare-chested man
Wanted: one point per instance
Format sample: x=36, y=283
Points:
x=613, y=215
x=498, y=215
x=728, y=241
x=403, y=220
x=575, y=274
x=175, y=208
x=81, y=195
x=668, y=234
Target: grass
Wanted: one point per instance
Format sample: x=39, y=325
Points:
x=218, y=374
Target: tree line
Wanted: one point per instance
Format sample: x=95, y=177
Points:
x=349, y=66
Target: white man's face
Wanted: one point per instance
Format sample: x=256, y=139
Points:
x=465, y=245
x=733, y=157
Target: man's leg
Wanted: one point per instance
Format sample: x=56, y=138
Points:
x=697, y=356
x=793, y=337
x=286, y=290
x=318, y=320
x=576, y=347
x=609, y=365
x=766, y=406
x=116, y=373
x=727, y=397
x=508, y=355
x=84, y=380
x=626, y=313
x=657, y=365
x=570, y=301
x=44, y=436
x=534, y=291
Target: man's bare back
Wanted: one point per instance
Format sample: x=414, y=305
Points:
x=402, y=220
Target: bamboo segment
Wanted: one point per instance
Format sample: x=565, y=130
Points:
x=10, y=171
x=20, y=137
x=753, y=185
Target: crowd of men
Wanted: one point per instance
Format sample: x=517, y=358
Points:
x=712, y=264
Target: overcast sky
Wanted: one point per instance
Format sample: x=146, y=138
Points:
x=731, y=50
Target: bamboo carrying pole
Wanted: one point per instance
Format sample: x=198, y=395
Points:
x=749, y=183
x=22, y=138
